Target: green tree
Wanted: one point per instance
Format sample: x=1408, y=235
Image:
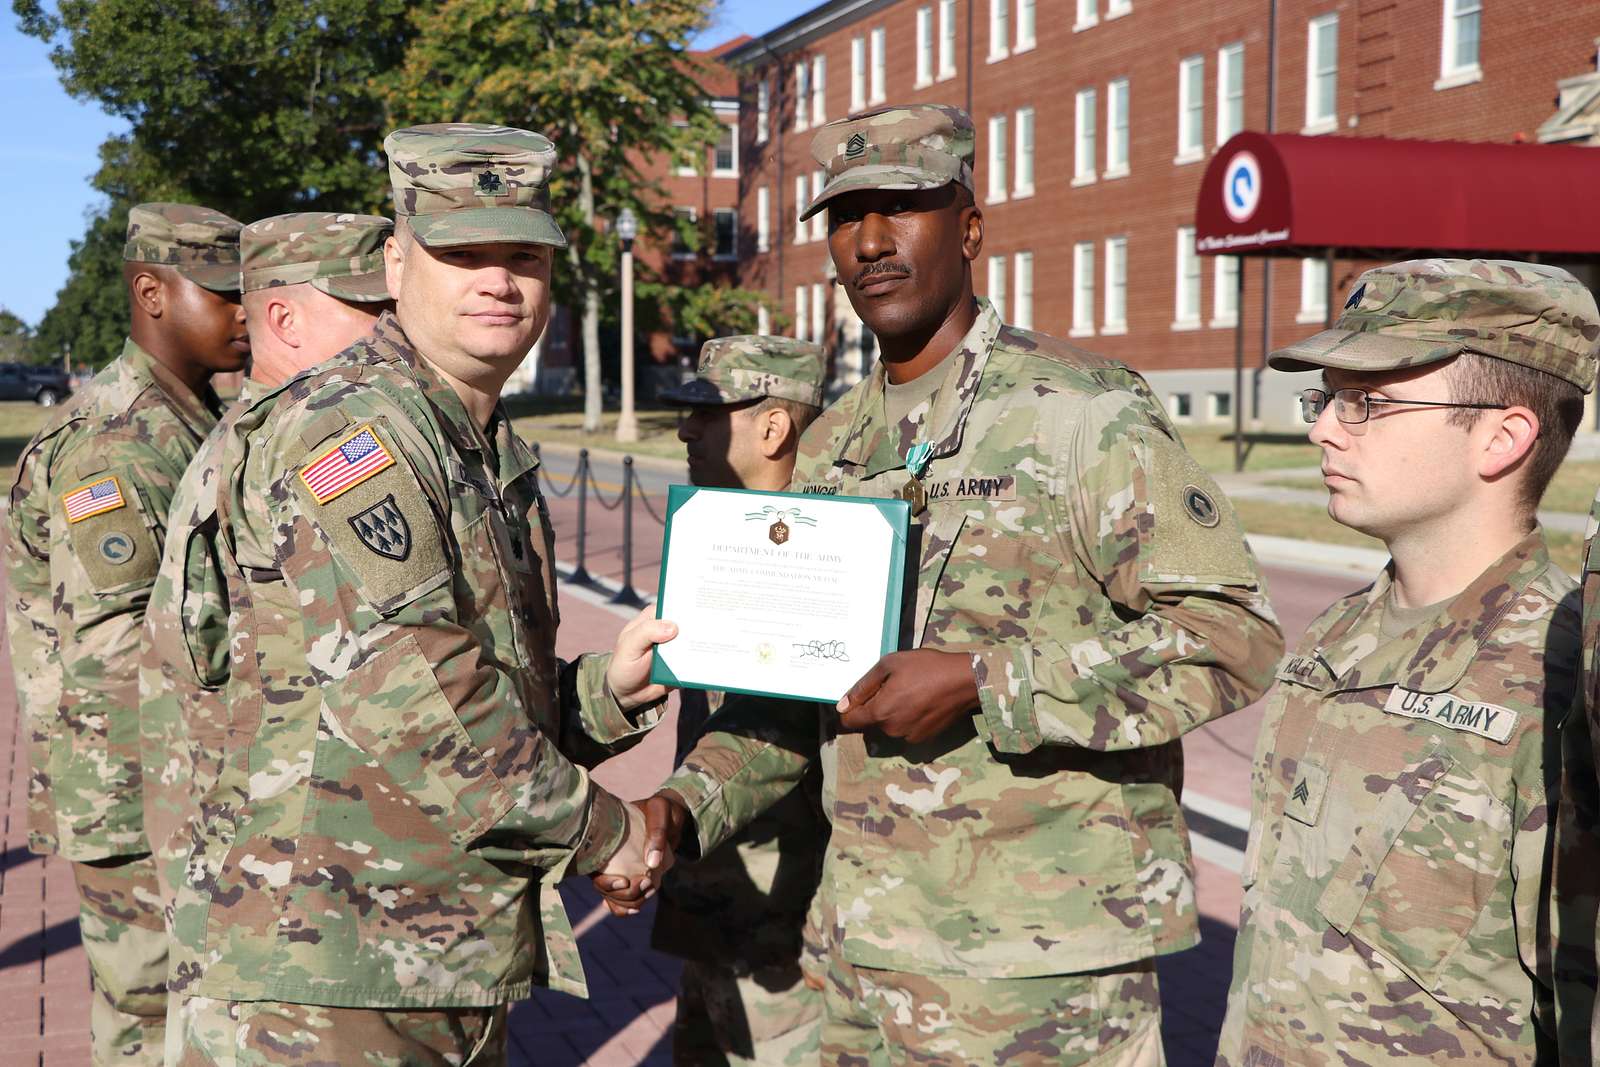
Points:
x=611, y=83
x=16, y=337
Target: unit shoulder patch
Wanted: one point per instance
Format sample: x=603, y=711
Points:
x=1457, y=713
x=98, y=497
x=383, y=528
x=346, y=465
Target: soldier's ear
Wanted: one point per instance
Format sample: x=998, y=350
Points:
x=972, y=232
x=148, y=292
x=777, y=432
x=283, y=322
x=394, y=263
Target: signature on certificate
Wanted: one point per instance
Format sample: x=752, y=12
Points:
x=831, y=650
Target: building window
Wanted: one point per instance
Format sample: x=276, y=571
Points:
x=1180, y=406
x=1084, y=139
x=875, y=87
x=997, y=158
x=947, y=39
x=1313, y=290
x=819, y=308
x=1115, y=9
x=1117, y=128
x=1083, y=289
x=763, y=219
x=727, y=233
x=1088, y=14
x=726, y=161
x=1191, y=109
x=1116, y=311
x=1022, y=298
x=819, y=90
x=1186, y=314
x=819, y=221
x=1458, y=60
x=999, y=29
x=686, y=167
x=1230, y=90
x=1322, y=73
x=799, y=206
x=763, y=319
x=1026, y=25
x=802, y=95
x=763, y=110
x=1225, y=294
x=997, y=285
x=684, y=220
x=1219, y=406
x=1024, y=178
x=858, y=73
x=924, y=46
x=801, y=321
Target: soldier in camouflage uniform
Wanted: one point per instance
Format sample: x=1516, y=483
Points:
x=313, y=284
x=737, y=915
x=1396, y=882
x=88, y=511
x=401, y=785
x=1008, y=854
x=1576, y=878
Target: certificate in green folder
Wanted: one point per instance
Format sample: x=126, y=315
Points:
x=778, y=594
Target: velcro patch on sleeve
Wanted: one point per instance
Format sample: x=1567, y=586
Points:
x=95, y=498
x=1458, y=713
x=346, y=465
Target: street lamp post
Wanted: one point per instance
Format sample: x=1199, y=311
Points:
x=627, y=230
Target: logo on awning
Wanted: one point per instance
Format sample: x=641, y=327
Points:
x=1241, y=186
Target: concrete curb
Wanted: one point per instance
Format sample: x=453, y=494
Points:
x=1342, y=560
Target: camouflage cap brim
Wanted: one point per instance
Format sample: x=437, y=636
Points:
x=487, y=225
x=356, y=288
x=218, y=277
x=1362, y=350
x=699, y=393
x=884, y=176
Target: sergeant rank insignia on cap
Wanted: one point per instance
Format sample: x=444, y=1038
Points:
x=93, y=499
x=346, y=465
x=856, y=146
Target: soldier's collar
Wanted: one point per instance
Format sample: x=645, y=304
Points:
x=198, y=413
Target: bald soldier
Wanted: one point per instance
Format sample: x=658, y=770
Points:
x=313, y=284
x=1008, y=855
x=737, y=916
x=402, y=774
x=88, y=510
x=1397, y=882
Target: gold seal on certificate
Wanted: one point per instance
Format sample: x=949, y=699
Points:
x=778, y=594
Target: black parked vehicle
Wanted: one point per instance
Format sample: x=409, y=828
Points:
x=46, y=386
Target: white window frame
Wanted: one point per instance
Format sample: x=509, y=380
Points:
x=999, y=30
x=819, y=90
x=1022, y=290
x=999, y=160
x=1022, y=158
x=1082, y=290
x=1224, y=291
x=763, y=319
x=802, y=322
x=731, y=171
x=1115, y=9
x=685, y=168
x=763, y=219
x=800, y=202
x=1214, y=412
x=763, y=110
x=1191, y=109
x=1313, y=291
x=1186, y=290
x=947, y=39
x=1027, y=25
x=819, y=313
x=1316, y=121
x=1085, y=143
x=1451, y=72
x=1172, y=406
x=694, y=219
x=1230, y=59
x=1088, y=15
x=1115, y=312
x=996, y=291
x=802, y=95
x=1117, y=167
x=858, y=73
x=730, y=256
x=819, y=221
x=877, y=41
x=925, y=44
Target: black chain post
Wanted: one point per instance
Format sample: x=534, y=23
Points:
x=580, y=574
x=626, y=596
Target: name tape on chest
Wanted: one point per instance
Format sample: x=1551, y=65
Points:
x=1304, y=670
x=95, y=498
x=1486, y=720
x=346, y=465
x=969, y=487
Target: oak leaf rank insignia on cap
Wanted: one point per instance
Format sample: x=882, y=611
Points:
x=464, y=183
x=346, y=465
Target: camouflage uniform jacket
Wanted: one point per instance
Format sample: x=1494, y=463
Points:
x=396, y=788
x=1043, y=834
x=87, y=518
x=743, y=905
x=1394, y=905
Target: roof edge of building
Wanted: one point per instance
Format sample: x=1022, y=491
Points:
x=804, y=28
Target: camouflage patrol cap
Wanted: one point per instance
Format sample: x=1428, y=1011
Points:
x=339, y=254
x=463, y=183
x=1426, y=310
x=921, y=146
x=200, y=244
x=751, y=367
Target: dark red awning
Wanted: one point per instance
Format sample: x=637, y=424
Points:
x=1286, y=194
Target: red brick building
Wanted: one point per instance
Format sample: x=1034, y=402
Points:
x=1095, y=121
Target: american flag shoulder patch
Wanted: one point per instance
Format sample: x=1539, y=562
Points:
x=98, y=496
x=346, y=465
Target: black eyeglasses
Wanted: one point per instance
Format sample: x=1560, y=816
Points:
x=1353, y=406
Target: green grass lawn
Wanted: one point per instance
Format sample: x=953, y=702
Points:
x=1571, y=490
x=19, y=421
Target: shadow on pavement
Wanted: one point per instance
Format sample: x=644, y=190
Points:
x=28, y=951
x=1194, y=995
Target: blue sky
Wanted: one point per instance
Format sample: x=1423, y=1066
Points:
x=49, y=143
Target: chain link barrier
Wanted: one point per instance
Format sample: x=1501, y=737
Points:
x=583, y=481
